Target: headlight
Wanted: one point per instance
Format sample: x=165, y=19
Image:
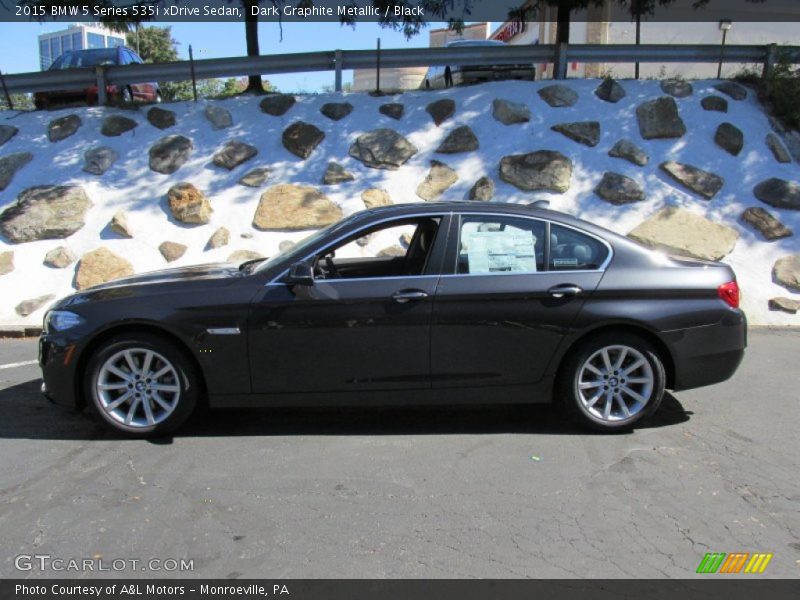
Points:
x=61, y=320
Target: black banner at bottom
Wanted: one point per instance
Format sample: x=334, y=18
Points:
x=396, y=589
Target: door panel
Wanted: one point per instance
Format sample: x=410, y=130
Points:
x=501, y=329
x=341, y=335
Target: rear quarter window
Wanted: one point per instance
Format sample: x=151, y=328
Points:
x=572, y=250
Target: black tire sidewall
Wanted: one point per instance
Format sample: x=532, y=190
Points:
x=189, y=381
x=567, y=395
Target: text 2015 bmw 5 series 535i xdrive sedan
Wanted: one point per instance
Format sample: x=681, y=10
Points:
x=409, y=304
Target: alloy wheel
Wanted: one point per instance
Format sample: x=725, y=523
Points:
x=138, y=387
x=614, y=384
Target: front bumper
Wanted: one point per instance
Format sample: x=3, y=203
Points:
x=58, y=360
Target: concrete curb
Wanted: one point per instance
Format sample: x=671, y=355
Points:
x=19, y=332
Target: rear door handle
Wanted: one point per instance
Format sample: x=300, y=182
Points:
x=404, y=296
x=567, y=290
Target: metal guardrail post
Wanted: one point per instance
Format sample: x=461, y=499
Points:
x=560, y=62
x=770, y=58
x=5, y=92
x=100, y=74
x=378, y=68
x=191, y=70
x=338, y=65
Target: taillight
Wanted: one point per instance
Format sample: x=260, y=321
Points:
x=729, y=292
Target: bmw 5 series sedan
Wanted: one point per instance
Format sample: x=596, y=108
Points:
x=409, y=304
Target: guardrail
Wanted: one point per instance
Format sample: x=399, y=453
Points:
x=338, y=60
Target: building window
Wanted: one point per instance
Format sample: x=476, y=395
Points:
x=77, y=41
x=114, y=42
x=96, y=40
x=44, y=54
x=55, y=47
x=66, y=42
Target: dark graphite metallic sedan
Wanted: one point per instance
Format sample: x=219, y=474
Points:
x=486, y=303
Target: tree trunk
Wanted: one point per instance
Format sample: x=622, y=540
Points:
x=562, y=22
x=251, y=35
x=638, y=38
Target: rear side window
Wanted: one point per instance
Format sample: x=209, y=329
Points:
x=498, y=244
x=571, y=250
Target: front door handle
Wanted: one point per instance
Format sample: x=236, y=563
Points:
x=565, y=290
x=404, y=296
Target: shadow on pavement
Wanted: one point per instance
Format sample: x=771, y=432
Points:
x=26, y=414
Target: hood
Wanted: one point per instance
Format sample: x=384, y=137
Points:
x=194, y=272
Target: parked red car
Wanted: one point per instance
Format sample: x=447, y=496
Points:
x=76, y=59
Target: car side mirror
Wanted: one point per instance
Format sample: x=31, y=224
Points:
x=301, y=273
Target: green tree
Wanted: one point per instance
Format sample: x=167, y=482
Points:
x=153, y=44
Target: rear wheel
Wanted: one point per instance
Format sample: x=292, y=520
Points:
x=141, y=385
x=611, y=382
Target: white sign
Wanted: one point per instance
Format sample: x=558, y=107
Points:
x=500, y=251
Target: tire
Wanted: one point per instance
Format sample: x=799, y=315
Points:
x=610, y=400
x=151, y=406
x=127, y=96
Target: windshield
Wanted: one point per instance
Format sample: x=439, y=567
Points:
x=306, y=242
x=88, y=58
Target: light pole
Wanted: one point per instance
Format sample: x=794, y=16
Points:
x=724, y=26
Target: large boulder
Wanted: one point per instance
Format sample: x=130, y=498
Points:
x=99, y=160
x=10, y=164
x=119, y=224
x=509, y=113
x=336, y=173
x=63, y=127
x=701, y=182
x=770, y=227
x=734, y=90
x=629, y=151
x=289, y=207
x=678, y=88
x=238, y=256
x=777, y=148
x=393, y=110
x=439, y=178
x=483, y=190
x=100, y=266
x=684, y=233
x=461, y=139
x=171, y=251
x=169, y=153
x=714, y=103
x=583, y=132
x=161, y=118
x=188, y=204
x=730, y=138
x=786, y=272
x=375, y=197
x=28, y=307
x=233, y=153
x=779, y=193
x=219, y=117
x=255, y=177
x=59, y=258
x=610, y=91
x=558, y=96
x=45, y=212
x=219, y=238
x=619, y=189
x=277, y=104
x=116, y=125
x=336, y=111
x=382, y=149
x=301, y=138
x=659, y=119
x=6, y=133
x=784, y=304
x=6, y=262
x=542, y=170
x=441, y=110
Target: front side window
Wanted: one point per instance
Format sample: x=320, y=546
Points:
x=499, y=244
x=572, y=250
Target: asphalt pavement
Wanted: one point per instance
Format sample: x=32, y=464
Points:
x=431, y=492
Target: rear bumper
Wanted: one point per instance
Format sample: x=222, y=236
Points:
x=709, y=354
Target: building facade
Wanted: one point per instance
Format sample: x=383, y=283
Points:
x=76, y=37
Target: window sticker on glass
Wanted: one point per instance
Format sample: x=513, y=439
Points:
x=565, y=262
x=500, y=251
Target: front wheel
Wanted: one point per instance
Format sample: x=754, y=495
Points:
x=141, y=385
x=611, y=382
